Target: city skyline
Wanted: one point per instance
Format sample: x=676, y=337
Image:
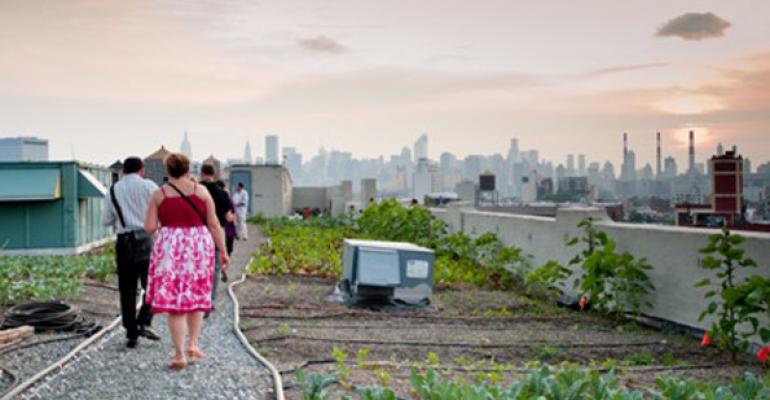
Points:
x=368, y=78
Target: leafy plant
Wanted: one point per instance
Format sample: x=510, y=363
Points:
x=315, y=384
x=740, y=299
x=613, y=282
x=547, y=278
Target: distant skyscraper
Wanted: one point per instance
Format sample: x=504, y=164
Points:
x=271, y=150
x=23, y=149
x=631, y=165
x=646, y=172
x=670, y=168
x=658, y=159
x=406, y=155
x=581, y=165
x=293, y=161
x=247, y=158
x=421, y=148
x=570, y=165
x=513, y=151
x=186, y=147
x=720, y=150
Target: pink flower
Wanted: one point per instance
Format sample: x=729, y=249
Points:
x=763, y=354
x=706, y=340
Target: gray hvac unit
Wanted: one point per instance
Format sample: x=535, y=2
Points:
x=400, y=272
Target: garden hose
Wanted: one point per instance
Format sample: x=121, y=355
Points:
x=49, y=316
x=14, y=380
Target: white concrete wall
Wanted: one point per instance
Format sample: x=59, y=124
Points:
x=272, y=191
x=672, y=251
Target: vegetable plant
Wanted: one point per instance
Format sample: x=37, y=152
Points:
x=741, y=299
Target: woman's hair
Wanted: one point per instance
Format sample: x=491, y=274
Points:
x=177, y=164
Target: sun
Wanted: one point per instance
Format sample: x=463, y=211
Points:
x=703, y=135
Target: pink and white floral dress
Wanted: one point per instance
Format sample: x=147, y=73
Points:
x=182, y=261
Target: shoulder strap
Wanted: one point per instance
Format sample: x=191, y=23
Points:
x=185, y=198
x=117, y=206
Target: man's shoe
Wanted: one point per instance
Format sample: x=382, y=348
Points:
x=131, y=343
x=148, y=333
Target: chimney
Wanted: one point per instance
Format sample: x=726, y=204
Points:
x=658, y=170
x=692, y=152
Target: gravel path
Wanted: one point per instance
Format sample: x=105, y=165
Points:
x=108, y=370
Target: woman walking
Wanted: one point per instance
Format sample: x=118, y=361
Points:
x=182, y=261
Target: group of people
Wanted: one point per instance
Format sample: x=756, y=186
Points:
x=176, y=241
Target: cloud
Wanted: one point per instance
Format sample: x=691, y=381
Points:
x=695, y=26
x=621, y=68
x=322, y=44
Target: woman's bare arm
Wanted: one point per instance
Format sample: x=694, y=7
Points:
x=151, y=223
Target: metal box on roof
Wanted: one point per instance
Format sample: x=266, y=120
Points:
x=401, y=272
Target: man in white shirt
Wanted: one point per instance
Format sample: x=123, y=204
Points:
x=133, y=246
x=241, y=201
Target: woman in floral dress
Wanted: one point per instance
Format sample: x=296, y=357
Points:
x=182, y=263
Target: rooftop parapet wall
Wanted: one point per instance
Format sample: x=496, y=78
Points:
x=672, y=251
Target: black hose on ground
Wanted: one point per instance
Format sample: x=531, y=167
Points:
x=49, y=316
x=14, y=380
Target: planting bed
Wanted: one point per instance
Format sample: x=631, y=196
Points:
x=473, y=333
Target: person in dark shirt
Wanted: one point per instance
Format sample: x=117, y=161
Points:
x=222, y=204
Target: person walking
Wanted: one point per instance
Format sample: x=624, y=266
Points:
x=230, y=232
x=182, y=264
x=241, y=200
x=223, y=205
x=124, y=209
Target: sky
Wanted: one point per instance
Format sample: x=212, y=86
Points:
x=105, y=79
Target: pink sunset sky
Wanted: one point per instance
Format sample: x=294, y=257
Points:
x=105, y=79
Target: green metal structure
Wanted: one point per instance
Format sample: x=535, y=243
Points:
x=52, y=207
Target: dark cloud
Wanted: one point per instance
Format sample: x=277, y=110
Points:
x=695, y=26
x=322, y=44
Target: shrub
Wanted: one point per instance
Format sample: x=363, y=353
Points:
x=740, y=302
x=613, y=282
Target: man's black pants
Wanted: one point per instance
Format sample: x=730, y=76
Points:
x=129, y=273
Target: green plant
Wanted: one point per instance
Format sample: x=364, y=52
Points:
x=343, y=370
x=613, y=282
x=640, y=358
x=544, y=352
x=314, y=385
x=740, y=302
x=547, y=278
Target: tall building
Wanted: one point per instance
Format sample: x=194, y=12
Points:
x=658, y=160
x=271, y=150
x=247, y=158
x=670, y=168
x=581, y=165
x=513, y=151
x=186, y=148
x=23, y=149
x=293, y=161
x=421, y=148
x=570, y=165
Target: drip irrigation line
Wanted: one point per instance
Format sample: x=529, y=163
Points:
x=461, y=345
x=408, y=327
x=390, y=364
x=377, y=316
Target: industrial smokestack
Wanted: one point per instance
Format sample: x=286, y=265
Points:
x=658, y=169
x=692, y=152
x=625, y=146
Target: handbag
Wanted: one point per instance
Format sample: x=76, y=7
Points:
x=134, y=246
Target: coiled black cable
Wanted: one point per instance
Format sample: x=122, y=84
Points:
x=49, y=316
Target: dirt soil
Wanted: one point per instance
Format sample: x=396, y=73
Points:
x=470, y=333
